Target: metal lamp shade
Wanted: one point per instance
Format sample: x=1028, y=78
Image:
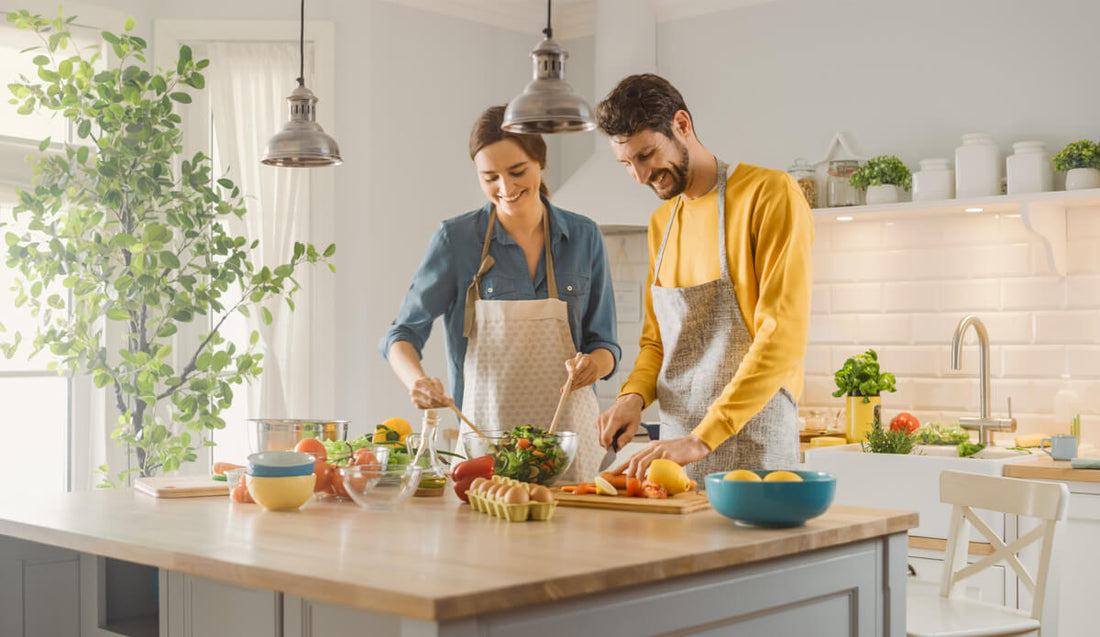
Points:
x=302, y=143
x=548, y=104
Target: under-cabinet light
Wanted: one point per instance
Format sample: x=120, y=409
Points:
x=845, y=218
x=973, y=209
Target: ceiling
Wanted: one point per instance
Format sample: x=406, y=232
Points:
x=571, y=18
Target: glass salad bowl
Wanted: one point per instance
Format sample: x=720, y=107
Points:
x=526, y=453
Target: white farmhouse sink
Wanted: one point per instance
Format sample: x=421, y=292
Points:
x=910, y=482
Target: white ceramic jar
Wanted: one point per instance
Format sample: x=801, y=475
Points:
x=1029, y=168
x=977, y=167
x=934, y=181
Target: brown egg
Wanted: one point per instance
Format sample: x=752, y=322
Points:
x=475, y=483
x=515, y=495
x=494, y=489
x=540, y=493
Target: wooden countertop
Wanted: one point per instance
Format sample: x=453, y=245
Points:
x=1043, y=467
x=435, y=560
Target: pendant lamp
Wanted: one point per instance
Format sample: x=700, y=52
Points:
x=302, y=143
x=548, y=104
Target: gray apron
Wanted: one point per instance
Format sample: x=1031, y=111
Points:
x=705, y=339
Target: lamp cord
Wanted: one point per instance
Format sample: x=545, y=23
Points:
x=548, y=32
x=302, y=46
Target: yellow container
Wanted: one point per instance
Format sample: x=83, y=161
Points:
x=828, y=441
x=859, y=415
x=284, y=493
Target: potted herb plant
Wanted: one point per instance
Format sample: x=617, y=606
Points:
x=861, y=381
x=128, y=240
x=1081, y=162
x=881, y=177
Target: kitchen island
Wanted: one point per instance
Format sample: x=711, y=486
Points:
x=439, y=568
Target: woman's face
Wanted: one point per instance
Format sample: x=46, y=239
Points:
x=509, y=177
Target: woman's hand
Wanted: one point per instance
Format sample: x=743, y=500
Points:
x=682, y=451
x=586, y=369
x=427, y=393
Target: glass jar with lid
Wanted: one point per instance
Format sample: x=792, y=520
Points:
x=805, y=176
x=840, y=192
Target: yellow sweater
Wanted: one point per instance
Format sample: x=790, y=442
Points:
x=769, y=236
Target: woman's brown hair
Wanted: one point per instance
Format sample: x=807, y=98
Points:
x=487, y=131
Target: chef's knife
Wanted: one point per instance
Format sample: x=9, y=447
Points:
x=609, y=457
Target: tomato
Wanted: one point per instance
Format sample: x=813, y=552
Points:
x=654, y=490
x=905, y=422
x=316, y=448
x=364, y=456
x=336, y=482
x=473, y=468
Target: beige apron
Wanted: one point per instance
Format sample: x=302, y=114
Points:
x=515, y=364
x=704, y=337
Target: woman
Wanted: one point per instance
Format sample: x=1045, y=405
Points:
x=523, y=287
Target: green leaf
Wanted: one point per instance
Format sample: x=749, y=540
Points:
x=182, y=98
x=44, y=144
x=266, y=315
x=166, y=330
x=118, y=314
x=129, y=24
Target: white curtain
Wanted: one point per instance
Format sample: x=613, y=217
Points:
x=248, y=85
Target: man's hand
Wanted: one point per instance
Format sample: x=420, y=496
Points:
x=623, y=418
x=427, y=393
x=682, y=451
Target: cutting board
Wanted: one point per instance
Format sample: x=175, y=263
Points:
x=678, y=504
x=181, y=486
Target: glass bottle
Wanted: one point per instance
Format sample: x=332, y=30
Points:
x=805, y=176
x=840, y=192
x=433, y=477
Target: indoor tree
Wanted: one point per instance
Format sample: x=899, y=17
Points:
x=127, y=239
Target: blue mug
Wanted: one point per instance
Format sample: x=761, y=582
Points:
x=1062, y=446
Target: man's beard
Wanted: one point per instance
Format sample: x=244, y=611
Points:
x=678, y=173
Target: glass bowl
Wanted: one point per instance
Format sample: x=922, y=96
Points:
x=277, y=434
x=380, y=487
x=513, y=460
x=771, y=504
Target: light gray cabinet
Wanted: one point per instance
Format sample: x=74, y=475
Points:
x=199, y=607
x=1078, y=560
x=39, y=590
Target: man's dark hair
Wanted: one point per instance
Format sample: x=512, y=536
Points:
x=640, y=102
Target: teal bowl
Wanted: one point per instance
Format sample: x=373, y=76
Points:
x=771, y=504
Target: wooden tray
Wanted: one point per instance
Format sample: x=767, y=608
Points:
x=678, y=504
x=181, y=486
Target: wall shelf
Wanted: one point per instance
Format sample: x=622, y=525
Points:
x=1042, y=213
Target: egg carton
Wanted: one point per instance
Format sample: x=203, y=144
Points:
x=512, y=512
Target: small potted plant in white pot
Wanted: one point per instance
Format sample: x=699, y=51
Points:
x=1081, y=162
x=881, y=177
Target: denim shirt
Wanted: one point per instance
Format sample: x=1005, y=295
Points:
x=439, y=286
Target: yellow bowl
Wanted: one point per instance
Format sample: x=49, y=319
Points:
x=284, y=493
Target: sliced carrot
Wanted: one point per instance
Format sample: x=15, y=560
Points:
x=584, y=488
x=633, y=487
x=221, y=467
x=617, y=480
x=569, y=488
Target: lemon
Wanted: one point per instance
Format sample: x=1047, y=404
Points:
x=744, y=475
x=603, y=487
x=782, y=476
x=669, y=474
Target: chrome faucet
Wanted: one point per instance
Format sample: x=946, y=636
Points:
x=983, y=423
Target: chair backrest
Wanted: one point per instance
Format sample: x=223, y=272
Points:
x=1044, y=501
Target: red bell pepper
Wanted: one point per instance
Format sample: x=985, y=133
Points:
x=467, y=471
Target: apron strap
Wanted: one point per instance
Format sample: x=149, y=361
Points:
x=551, y=282
x=723, y=263
x=473, y=291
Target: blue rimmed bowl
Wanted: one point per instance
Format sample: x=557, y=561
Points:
x=771, y=504
x=280, y=464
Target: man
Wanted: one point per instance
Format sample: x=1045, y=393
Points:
x=727, y=302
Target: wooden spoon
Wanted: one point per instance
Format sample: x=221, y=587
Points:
x=467, y=421
x=564, y=394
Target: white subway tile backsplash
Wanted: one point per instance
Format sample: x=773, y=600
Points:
x=884, y=328
x=819, y=299
x=971, y=296
x=935, y=328
x=1082, y=291
x=833, y=329
x=856, y=297
x=1038, y=361
x=1002, y=260
x=1082, y=255
x=911, y=297
x=1011, y=229
x=817, y=360
x=1009, y=328
x=1078, y=326
x=970, y=229
x=908, y=361
x=1026, y=293
x=1083, y=361
x=1083, y=223
x=956, y=393
x=857, y=235
x=907, y=234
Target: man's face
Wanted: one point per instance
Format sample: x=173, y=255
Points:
x=655, y=160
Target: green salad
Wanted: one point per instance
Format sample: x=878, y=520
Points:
x=530, y=454
x=936, y=434
x=340, y=452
